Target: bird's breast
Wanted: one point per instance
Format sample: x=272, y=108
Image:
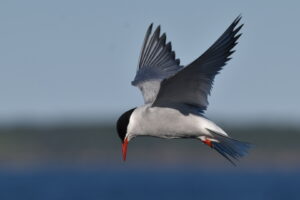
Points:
x=165, y=123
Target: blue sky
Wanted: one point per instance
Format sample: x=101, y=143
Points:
x=76, y=59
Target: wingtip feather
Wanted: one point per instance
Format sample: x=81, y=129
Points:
x=157, y=32
x=238, y=29
x=237, y=19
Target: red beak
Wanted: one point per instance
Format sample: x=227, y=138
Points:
x=124, y=148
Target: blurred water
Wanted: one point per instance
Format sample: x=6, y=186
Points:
x=140, y=183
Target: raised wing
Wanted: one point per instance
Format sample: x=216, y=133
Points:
x=157, y=62
x=193, y=84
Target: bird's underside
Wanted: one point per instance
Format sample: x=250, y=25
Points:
x=170, y=123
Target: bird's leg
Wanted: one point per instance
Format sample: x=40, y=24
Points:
x=207, y=141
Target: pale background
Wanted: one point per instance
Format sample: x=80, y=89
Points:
x=74, y=60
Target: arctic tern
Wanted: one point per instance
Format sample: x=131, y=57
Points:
x=176, y=96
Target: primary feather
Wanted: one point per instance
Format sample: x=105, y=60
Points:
x=192, y=85
x=157, y=62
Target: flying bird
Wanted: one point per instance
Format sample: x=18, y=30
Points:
x=176, y=96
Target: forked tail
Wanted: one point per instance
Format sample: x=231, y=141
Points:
x=227, y=147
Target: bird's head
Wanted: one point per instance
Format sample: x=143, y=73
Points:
x=122, y=127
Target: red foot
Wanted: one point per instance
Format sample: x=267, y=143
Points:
x=207, y=142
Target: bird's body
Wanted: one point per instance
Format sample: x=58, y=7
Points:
x=176, y=97
x=170, y=123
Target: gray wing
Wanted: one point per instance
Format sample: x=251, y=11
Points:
x=193, y=84
x=157, y=62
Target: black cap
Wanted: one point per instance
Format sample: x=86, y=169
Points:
x=122, y=123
